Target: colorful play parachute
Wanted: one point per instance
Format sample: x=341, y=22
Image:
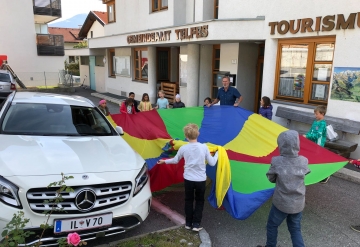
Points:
x=249, y=140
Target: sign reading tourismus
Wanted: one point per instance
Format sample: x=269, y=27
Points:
x=319, y=24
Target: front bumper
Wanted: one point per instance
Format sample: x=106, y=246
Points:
x=125, y=217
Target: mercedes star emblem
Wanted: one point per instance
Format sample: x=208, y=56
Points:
x=85, y=200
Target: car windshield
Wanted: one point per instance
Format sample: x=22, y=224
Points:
x=5, y=77
x=54, y=120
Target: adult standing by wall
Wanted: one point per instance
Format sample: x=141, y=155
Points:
x=227, y=95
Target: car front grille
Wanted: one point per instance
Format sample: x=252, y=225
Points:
x=83, y=199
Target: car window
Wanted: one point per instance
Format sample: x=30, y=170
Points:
x=56, y=120
x=5, y=77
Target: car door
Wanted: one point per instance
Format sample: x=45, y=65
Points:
x=5, y=82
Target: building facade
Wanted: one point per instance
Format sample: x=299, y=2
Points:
x=286, y=51
x=92, y=68
x=35, y=55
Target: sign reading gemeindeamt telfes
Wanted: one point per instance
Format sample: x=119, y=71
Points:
x=183, y=33
x=319, y=24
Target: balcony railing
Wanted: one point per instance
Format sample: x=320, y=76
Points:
x=47, y=7
x=50, y=45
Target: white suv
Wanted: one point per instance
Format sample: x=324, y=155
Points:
x=44, y=135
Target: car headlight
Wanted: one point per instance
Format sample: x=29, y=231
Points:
x=141, y=179
x=9, y=193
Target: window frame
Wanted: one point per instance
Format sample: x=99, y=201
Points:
x=216, y=9
x=214, y=70
x=311, y=42
x=140, y=68
x=159, y=5
x=111, y=63
x=108, y=5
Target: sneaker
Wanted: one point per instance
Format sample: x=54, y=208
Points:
x=324, y=181
x=196, y=227
x=188, y=226
x=355, y=228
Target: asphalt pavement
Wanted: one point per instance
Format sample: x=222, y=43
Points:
x=330, y=209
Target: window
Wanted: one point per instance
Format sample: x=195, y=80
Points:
x=141, y=64
x=91, y=34
x=111, y=63
x=159, y=5
x=304, y=70
x=111, y=11
x=54, y=120
x=216, y=68
x=216, y=9
x=99, y=61
x=163, y=64
x=84, y=60
x=122, y=66
x=71, y=59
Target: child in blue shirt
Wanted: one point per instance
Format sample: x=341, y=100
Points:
x=162, y=102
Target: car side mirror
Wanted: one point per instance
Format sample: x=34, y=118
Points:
x=119, y=130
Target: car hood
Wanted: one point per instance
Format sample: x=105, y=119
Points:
x=49, y=155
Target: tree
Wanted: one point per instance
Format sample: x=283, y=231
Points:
x=82, y=44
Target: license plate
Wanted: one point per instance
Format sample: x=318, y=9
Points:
x=84, y=223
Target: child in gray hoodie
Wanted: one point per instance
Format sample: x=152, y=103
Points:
x=288, y=172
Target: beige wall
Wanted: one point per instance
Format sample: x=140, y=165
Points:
x=97, y=29
x=100, y=79
x=84, y=74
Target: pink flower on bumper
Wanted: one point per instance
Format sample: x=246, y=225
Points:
x=73, y=239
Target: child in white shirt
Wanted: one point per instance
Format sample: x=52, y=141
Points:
x=195, y=154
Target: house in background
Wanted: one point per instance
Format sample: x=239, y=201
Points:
x=71, y=38
x=92, y=63
x=35, y=55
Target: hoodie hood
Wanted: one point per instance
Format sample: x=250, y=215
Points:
x=289, y=144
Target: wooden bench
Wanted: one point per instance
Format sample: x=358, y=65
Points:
x=340, y=125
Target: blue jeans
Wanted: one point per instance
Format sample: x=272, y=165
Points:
x=276, y=217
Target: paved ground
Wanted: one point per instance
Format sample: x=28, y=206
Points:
x=330, y=209
x=154, y=222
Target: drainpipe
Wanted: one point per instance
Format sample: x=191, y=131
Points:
x=194, y=12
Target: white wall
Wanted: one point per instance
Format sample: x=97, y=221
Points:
x=229, y=52
x=135, y=15
x=97, y=29
x=19, y=43
x=205, y=77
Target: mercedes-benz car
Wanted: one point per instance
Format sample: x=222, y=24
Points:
x=45, y=135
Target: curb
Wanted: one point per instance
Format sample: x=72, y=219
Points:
x=348, y=175
x=175, y=217
x=107, y=98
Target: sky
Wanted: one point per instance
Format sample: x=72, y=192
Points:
x=71, y=8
